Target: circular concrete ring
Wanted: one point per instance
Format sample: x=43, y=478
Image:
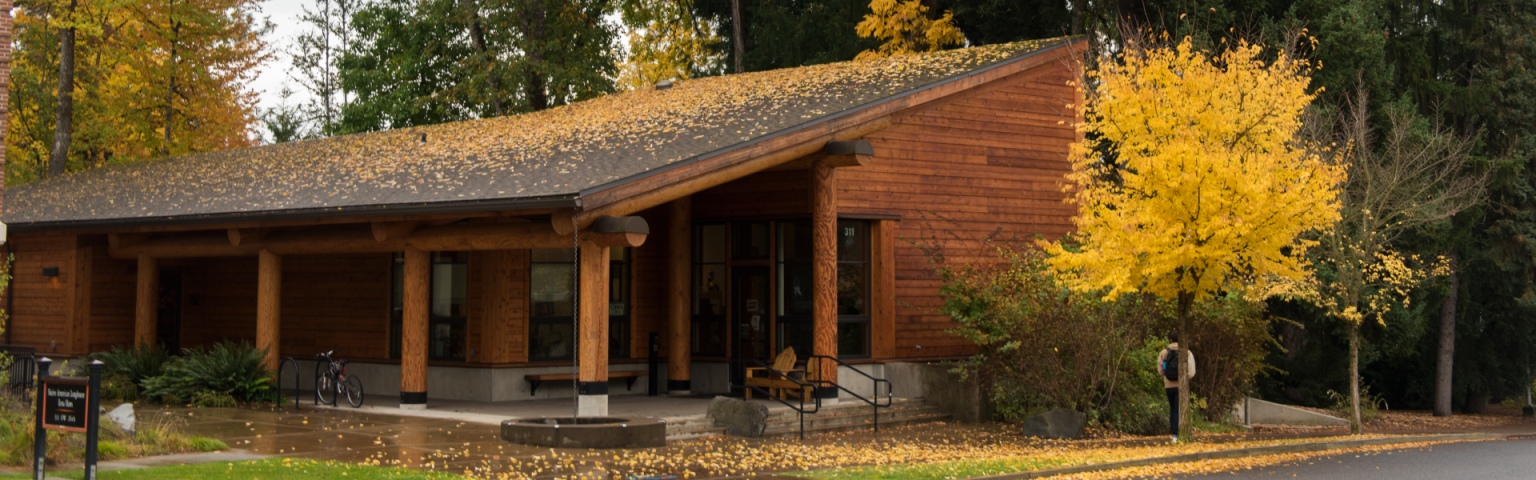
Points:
x=586, y=432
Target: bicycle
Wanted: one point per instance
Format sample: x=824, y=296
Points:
x=332, y=382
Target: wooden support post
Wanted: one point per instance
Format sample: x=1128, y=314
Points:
x=146, y=311
x=824, y=271
x=679, y=275
x=269, y=306
x=413, y=330
x=592, y=346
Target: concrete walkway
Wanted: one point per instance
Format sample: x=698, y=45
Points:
x=493, y=413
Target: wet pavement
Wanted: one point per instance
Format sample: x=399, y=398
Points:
x=493, y=413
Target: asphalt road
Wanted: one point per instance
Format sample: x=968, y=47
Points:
x=1479, y=460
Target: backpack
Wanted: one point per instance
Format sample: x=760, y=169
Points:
x=1171, y=365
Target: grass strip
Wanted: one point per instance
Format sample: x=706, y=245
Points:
x=267, y=469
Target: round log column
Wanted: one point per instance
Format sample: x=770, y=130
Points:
x=146, y=310
x=679, y=261
x=824, y=271
x=269, y=306
x=413, y=330
x=592, y=346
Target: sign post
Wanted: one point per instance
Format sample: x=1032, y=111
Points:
x=92, y=419
x=69, y=404
x=40, y=436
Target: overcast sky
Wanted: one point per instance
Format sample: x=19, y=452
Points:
x=284, y=15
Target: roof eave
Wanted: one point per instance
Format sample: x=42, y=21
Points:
x=428, y=208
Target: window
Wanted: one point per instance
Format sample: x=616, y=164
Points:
x=447, y=307
x=709, y=290
x=796, y=296
x=552, y=281
x=552, y=277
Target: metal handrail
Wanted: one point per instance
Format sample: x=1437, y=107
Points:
x=296, y=374
x=801, y=410
x=874, y=387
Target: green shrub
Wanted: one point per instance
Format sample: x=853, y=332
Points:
x=108, y=449
x=234, y=369
x=133, y=363
x=1043, y=345
x=206, y=398
x=1371, y=404
x=205, y=444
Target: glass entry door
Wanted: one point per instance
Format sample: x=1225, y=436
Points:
x=750, y=319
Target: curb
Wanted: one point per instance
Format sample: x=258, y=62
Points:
x=1246, y=452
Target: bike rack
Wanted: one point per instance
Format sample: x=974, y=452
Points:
x=289, y=361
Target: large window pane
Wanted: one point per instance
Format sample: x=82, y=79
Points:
x=853, y=338
x=853, y=241
x=709, y=289
x=551, y=284
x=795, y=242
x=852, y=287
x=551, y=340
x=750, y=240
x=796, y=292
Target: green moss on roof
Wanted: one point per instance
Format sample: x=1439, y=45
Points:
x=549, y=154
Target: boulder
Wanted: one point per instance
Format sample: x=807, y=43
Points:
x=1057, y=423
x=742, y=418
x=123, y=417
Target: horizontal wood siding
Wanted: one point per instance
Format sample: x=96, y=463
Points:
x=498, y=306
x=114, y=287
x=41, y=304
x=218, y=300
x=986, y=163
x=648, y=291
x=760, y=195
x=338, y=302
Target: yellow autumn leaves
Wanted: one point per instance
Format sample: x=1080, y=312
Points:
x=1191, y=179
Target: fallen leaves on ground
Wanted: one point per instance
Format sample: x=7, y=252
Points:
x=1236, y=464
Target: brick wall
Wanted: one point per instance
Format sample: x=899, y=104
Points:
x=5, y=88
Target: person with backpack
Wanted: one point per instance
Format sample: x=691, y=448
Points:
x=1168, y=368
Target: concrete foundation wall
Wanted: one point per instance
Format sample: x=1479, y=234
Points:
x=469, y=383
x=1254, y=411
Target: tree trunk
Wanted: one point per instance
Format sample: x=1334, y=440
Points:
x=170, y=93
x=1186, y=303
x=1355, y=425
x=63, y=118
x=1447, y=347
x=477, y=40
x=738, y=45
x=538, y=99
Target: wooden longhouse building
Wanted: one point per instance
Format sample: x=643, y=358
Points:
x=730, y=217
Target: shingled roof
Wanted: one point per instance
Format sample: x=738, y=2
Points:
x=536, y=160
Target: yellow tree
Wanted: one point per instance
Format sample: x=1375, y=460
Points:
x=905, y=27
x=666, y=41
x=1191, y=179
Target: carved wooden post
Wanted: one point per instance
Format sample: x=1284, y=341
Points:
x=146, y=311
x=824, y=271
x=413, y=330
x=679, y=274
x=269, y=305
x=592, y=378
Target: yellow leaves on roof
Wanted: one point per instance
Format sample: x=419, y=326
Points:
x=557, y=151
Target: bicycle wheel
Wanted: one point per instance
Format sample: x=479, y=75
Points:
x=354, y=388
x=325, y=386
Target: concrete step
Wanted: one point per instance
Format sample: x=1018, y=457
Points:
x=844, y=416
x=863, y=423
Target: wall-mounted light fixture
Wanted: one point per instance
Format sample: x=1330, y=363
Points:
x=50, y=271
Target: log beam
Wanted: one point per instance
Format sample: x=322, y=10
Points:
x=361, y=239
x=824, y=272
x=385, y=231
x=679, y=275
x=245, y=236
x=123, y=240
x=413, y=330
x=146, y=310
x=592, y=343
x=269, y=306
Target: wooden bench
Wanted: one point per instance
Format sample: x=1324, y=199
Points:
x=535, y=379
x=776, y=385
